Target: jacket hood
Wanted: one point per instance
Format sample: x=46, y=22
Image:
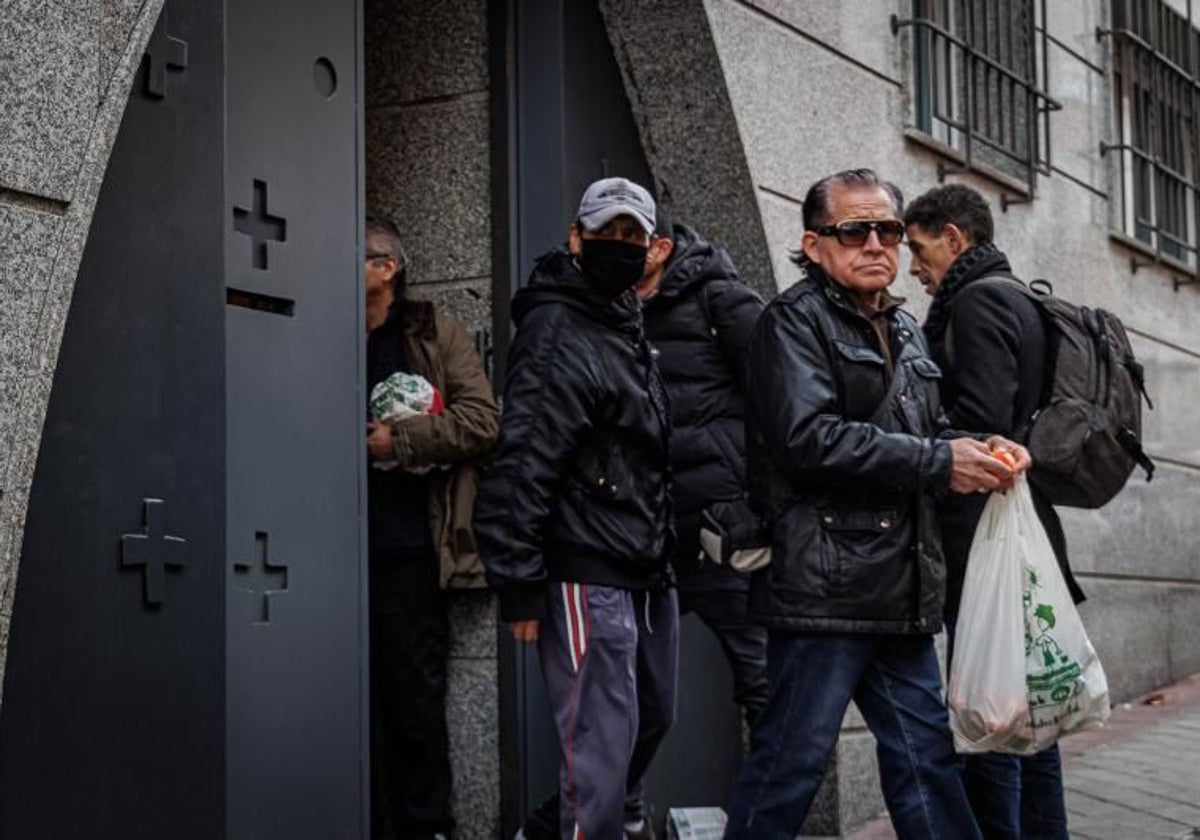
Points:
x=556, y=279
x=693, y=261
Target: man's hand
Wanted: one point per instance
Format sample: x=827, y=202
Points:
x=1021, y=459
x=379, y=441
x=974, y=469
x=524, y=631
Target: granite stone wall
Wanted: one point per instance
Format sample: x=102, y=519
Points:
x=65, y=74
x=428, y=169
x=680, y=102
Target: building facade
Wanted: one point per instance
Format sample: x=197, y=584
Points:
x=475, y=125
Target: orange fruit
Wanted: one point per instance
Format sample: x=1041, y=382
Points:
x=1005, y=457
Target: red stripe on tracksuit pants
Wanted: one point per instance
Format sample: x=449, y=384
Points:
x=609, y=660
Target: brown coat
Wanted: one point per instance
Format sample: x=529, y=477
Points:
x=439, y=348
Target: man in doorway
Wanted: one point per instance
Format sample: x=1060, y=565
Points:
x=993, y=380
x=846, y=464
x=699, y=316
x=420, y=491
x=574, y=516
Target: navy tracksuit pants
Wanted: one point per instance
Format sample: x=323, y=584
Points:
x=609, y=658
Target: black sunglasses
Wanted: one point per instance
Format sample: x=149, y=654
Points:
x=854, y=234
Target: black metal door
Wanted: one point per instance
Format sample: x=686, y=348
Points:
x=187, y=646
x=571, y=124
x=113, y=708
x=296, y=704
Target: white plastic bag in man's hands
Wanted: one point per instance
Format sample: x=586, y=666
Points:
x=986, y=693
x=1062, y=685
x=1067, y=688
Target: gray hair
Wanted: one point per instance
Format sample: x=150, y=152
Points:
x=816, y=200
x=387, y=234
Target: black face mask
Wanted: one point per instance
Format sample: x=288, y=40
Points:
x=612, y=266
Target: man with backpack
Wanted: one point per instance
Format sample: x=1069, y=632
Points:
x=989, y=339
x=699, y=316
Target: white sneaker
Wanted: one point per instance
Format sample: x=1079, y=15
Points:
x=638, y=830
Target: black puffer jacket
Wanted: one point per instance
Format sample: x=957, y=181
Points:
x=577, y=489
x=700, y=322
x=994, y=377
x=848, y=481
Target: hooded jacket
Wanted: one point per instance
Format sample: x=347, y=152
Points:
x=700, y=321
x=846, y=466
x=577, y=490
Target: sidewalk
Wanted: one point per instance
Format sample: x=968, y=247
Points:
x=1138, y=777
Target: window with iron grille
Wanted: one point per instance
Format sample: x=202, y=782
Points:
x=976, y=89
x=1156, y=64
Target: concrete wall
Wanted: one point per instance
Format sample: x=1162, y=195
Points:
x=818, y=87
x=792, y=70
x=428, y=169
x=64, y=79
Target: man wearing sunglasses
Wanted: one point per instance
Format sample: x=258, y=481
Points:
x=848, y=456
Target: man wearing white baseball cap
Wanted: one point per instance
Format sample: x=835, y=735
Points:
x=574, y=517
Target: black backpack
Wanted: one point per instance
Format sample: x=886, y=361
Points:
x=1085, y=439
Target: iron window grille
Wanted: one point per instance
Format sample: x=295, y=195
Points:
x=1156, y=82
x=976, y=85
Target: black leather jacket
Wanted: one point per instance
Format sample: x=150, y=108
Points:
x=577, y=489
x=846, y=464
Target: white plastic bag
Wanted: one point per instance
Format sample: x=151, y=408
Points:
x=400, y=396
x=986, y=691
x=1024, y=672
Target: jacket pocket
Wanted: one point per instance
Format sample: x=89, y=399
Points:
x=601, y=474
x=802, y=557
x=858, y=541
x=922, y=396
x=863, y=375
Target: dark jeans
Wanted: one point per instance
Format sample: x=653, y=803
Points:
x=1015, y=797
x=720, y=597
x=897, y=686
x=410, y=641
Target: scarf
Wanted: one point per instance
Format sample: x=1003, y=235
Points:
x=984, y=260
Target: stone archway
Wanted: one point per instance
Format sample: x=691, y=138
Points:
x=62, y=105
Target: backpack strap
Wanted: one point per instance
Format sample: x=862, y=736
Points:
x=994, y=280
x=1130, y=443
x=1022, y=430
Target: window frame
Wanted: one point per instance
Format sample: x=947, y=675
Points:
x=1168, y=84
x=945, y=117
